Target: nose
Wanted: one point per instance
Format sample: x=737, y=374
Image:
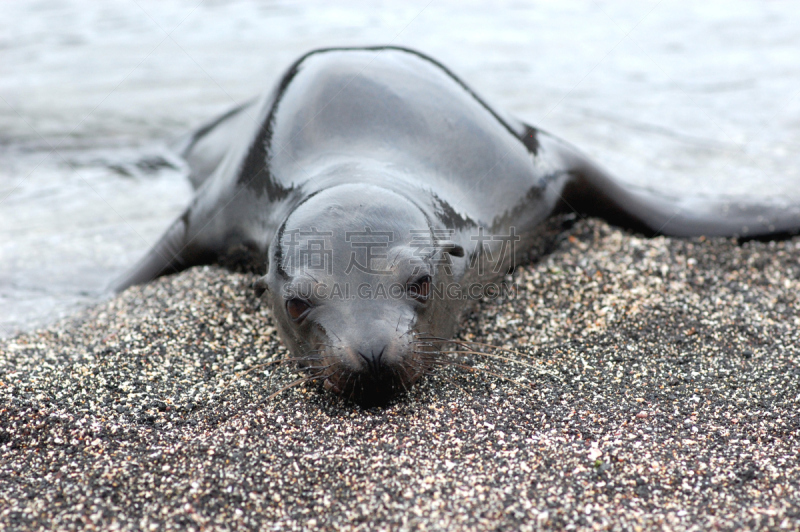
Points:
x=374, y=340
x=374, y=360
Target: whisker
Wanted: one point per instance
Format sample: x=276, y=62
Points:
x=416, y=365
x=404, y=367
x=424, y=344
x=347, y=383
x=410, y=329
x=291, y=385
x=427, y=355
x=355, y=385
x=498, y=357
x=445, y=363
x=308, y=357
x=307, y=368
x=454, y=382
x=481, y=344
x=265, y=365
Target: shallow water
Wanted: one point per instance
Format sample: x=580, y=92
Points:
x=700, y=97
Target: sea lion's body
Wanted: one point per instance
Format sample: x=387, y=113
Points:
x=387, y=140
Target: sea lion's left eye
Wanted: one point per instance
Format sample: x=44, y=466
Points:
x=420, y=289
x=297, y=308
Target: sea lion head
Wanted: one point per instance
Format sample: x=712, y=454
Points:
x=352, y=281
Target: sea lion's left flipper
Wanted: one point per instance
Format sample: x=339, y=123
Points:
x=590, y=190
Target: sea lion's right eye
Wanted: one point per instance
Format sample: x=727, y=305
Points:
x=420, y=289
x=297, y=308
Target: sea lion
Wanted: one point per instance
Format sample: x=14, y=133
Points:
x=383, y=195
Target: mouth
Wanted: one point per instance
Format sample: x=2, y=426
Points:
x=368, y=388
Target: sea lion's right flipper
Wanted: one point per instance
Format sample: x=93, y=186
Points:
x=172, y=253
x=164, y=257
x=592, y=191
x=218, y=225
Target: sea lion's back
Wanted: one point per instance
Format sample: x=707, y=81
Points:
x=398, y=108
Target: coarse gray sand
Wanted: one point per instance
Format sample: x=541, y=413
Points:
x=655, y=385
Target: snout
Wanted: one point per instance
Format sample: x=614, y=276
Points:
x=371, y=357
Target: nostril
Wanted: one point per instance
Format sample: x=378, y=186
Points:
x=380, y=356
x=374, y=362
x=368, y=361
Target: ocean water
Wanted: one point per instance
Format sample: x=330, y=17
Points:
x=681, y=97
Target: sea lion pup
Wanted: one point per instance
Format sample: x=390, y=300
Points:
x=384, y=195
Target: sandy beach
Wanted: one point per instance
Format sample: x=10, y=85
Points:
x=635, y=384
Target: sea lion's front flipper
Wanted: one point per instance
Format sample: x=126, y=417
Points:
x=592, y=191
x=224, y=223
x=172, y=253
x=219, y=227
